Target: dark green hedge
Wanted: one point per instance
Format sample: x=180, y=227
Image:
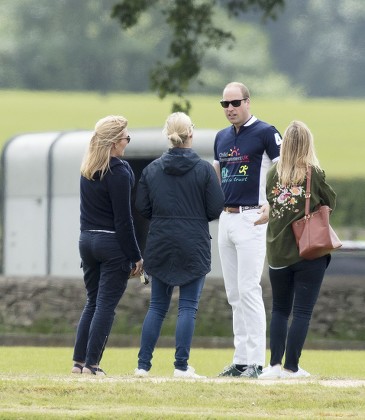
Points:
x=350, y=208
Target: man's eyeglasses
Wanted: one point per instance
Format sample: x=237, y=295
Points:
x=236, y=103
x=128, y=138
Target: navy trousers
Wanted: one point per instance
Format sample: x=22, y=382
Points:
x=295, y=290
x=106, y=275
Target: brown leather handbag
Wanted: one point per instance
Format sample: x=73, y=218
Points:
x=313, y=232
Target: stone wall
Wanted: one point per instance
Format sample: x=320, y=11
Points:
x=52, y=305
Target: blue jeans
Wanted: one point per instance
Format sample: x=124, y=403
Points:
x=105, y=279
x=160, y=301
x=294, y=288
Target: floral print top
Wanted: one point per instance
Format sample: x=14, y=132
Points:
x=285, y=199
x=286, y=205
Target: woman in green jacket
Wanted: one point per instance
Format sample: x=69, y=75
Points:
x=295, y=282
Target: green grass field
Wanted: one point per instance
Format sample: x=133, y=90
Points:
x=337, y=124
x=35, y=383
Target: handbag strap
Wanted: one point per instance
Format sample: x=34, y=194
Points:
x=308, y=192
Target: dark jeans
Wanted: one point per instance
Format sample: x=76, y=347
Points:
x=294, y=289
x=105, y=280
x=160, y=301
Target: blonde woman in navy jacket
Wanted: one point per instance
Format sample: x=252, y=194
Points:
x=179, y=193
x=108, y=245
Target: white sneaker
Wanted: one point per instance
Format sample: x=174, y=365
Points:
x=301, y=373
x=271, y=372
x=140, y=372
x=190, y=373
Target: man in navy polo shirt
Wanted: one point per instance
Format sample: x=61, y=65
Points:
x=243, y=153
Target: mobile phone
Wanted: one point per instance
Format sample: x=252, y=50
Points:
x=145, y=278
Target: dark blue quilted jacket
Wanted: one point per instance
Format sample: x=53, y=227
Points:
x=180, y=194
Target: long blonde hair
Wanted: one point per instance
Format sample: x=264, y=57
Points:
x=178, y=127
x=297, y=154
x=107, y=132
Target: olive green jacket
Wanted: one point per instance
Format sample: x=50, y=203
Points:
x=286, y=205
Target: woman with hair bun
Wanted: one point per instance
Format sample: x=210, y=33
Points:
x=179, y=193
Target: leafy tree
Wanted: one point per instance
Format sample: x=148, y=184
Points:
x=68, y=45
x=193, y=33
x=65, y=45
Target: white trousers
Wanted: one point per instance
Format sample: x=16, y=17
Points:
x=242, y=248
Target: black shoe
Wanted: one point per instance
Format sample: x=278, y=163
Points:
x=231, y=370
x=252, y=371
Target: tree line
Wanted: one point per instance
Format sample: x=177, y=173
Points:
x=311, y=48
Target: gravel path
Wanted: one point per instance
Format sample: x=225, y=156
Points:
x=339, y=383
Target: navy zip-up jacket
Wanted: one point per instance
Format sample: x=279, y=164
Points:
x=180, y=194
x=105, y=204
